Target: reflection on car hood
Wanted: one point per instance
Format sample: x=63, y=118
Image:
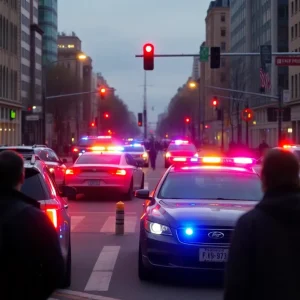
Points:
x=203, y=212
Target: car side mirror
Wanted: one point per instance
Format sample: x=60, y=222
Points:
x=142, y=194
x=64, y=160
x=68, y=192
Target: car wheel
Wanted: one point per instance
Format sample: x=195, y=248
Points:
x=68, y=274
x=144, y=273
x=143, y=182
x=129, y=194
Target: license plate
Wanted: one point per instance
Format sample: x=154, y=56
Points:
x=213, y=255
x=94, y=182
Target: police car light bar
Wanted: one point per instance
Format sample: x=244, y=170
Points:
x=181, y=142
x=227, y=160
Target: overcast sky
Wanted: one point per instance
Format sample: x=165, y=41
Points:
x=113, y=31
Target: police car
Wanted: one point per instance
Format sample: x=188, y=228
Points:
x=138, y=152
x=40, y=186
x=189, y=218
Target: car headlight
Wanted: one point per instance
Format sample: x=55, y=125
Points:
x=157, y=228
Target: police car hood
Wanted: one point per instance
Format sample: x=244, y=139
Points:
x=283, y=206
x=203, y=212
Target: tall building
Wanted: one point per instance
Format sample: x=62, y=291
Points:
x=294, y=72
x=10, y=102
x=255, y=23
x=217, y=24
x=48, y=23
x=31, y=72
x=196, y=69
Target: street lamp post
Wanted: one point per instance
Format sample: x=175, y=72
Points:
x=80, y=57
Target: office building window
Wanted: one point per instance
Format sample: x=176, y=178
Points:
x=292, y=86
x=292, y=8
x=292, y=32
x=223, y=46
x=25, y=21
x=223, y=18
x=296, y=86
x=296, y=6
x=223, y=32
x=296, y=31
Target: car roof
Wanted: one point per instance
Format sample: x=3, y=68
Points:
x=24, y=147
x=211, y=168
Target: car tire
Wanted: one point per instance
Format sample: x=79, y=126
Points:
x=143, y=182
x=68, y=274
x=129, y=194
x=144, y=273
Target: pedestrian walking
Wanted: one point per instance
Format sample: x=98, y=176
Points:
x=264, y=261
x=152, y=155
x=32, y=265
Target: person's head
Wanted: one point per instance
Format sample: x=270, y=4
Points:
x=280, y=170
x=11, y=170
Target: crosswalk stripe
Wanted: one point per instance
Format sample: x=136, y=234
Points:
x=68, y=293
x=103, y=269
x=129, y=223
x=75, y=220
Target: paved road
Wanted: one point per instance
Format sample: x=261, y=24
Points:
x=104, y=266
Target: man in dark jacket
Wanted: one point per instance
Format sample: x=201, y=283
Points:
x=264, y=260
x=31, y=263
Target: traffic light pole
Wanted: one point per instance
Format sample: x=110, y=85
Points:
x=247, y=129
x=145, y=107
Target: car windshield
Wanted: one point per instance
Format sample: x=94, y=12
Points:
x=103, y=159
x=189, y=147
x=133, y=149
x=211, y=185
x=32, y=186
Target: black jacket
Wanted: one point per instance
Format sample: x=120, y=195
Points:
x=264, y=259
x=31, y=263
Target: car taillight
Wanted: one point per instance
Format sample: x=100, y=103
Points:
x=52, y=214
x=75, y=150
x=72, y=172
x=145, y=155
x=119, y=172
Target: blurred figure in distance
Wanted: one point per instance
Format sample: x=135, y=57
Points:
x=264, y=260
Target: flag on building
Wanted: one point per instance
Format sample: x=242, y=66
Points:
x=265, y=81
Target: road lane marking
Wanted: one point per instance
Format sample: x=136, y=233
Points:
x=103, y=269
x=110, y=225
x=81, y=295
x=146, y=186
x=75, y=220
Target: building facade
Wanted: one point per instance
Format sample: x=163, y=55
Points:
x=255, y=23
x=217, y=24
x=48, y=23
x=294, y=71
x=10, y=102
x=31, y=73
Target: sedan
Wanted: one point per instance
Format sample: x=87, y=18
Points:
x=189, y=219
x=112, y=171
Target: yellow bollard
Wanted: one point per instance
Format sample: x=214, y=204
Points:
x=120, y=208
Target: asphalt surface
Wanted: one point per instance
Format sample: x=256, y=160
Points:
x=104, y=265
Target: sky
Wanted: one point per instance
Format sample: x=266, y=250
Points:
x=114, y=31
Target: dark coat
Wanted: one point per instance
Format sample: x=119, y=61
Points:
x=264, y=258
x=31, y=262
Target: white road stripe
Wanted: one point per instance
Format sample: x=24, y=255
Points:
x=75, y=220
x=84, y=295
x=102, y=272
x=110, y=224
x=146, y=186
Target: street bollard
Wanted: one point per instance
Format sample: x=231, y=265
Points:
x=120, y=208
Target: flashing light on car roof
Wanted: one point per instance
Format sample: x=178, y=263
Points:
x=288, y=146
x=225, y=160
x=97, y=148
x=115, y=148
x=104, y=137
x=181, y=142
x=189, y=231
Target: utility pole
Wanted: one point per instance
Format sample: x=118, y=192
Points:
x=145, y=106
x=247, y=129
x=280, y=108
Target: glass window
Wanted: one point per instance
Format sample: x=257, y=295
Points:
x=189, y=147
x=105, y=159
x=32, y=186
x=211, y=185
x=133, y=149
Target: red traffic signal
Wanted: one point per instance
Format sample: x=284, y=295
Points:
x=93, y=124
x=106, y=115
x=215, y=102
x=148, y=54
x=102, y=93
x=247, y=114
x=187, y=120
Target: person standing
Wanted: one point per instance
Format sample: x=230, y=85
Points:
x=264, y=260
x=152, y=154
x=32, y=265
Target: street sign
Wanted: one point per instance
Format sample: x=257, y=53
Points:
x=204, y=54
x=32, y=118
x=266, y=54
x=286, y=96
x=287, y=61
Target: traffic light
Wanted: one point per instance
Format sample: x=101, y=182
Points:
x=29, y=108
x=215, y=57
x=102, y=93
x=187, y=120
x=140, y=119
x=93, y=124
x=148, y=53
x=247, y=114
x=215, y=102
x=106, y=115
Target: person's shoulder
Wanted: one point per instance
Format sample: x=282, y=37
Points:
x=248, y=218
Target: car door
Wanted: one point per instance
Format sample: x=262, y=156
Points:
x=131, y=161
